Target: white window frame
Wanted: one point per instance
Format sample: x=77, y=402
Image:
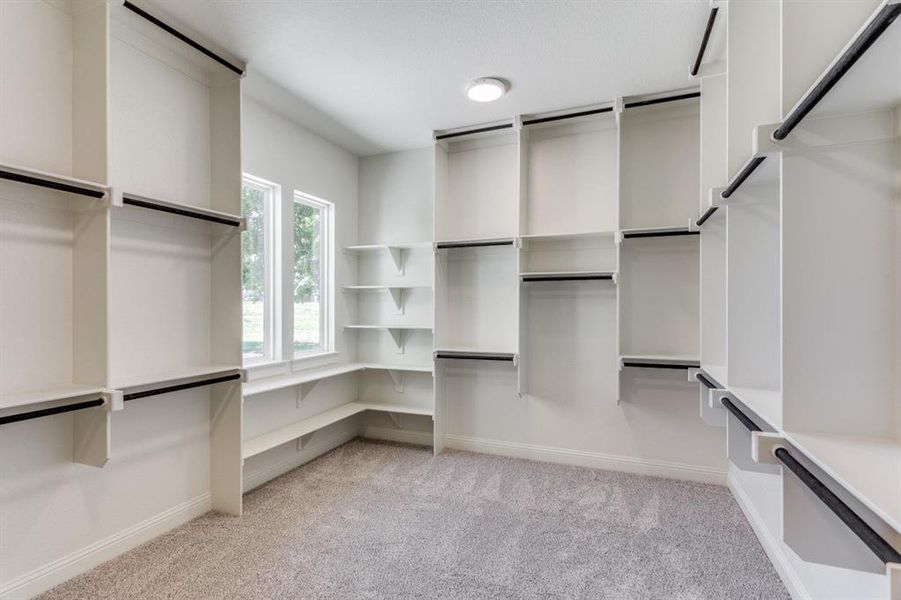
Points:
x=326, y=276
x=271, y=297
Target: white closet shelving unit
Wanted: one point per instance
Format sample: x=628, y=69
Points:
x=800, y=269
x=120, y=189
x=658, y=291
x=53, y=220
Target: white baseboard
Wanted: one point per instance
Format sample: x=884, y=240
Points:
x=595, y=460
x=405, y=436
x=54, y=573
x=771, y=545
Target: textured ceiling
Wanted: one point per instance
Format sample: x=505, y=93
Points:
x=380, y=76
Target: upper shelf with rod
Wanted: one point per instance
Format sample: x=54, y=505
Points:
x=567, y=276
x=58, y=183
x=184, y=210
x=179, y=38
x=710, y=39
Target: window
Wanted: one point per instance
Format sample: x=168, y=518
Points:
x=312, y=275
x=259, y=199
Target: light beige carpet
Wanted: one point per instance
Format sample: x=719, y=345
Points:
x=379, y=520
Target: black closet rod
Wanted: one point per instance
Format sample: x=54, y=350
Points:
x=46, y=412
x=474, y=356
x=180, y=386
x=174, y=32
x=584, y=113
x=50, y=184
x=478, y=244
x=184, y=212
x=598, y=277
x=707, y=214
x=878, y=546
x=857, y=49
x=445, y=136
x=710, y=385
x=704, y=40
x=647, y=234
x=671, y=366
x=638, y=103
x=745, y=172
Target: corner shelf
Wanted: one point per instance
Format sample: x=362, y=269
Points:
x=269, y=384
x=283, y=435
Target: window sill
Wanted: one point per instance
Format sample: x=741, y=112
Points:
x=263, y=369
x=320, y=359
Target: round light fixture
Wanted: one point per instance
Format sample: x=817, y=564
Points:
x=486, y=89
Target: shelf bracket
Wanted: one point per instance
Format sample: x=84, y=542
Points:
x=397, y=257
x=91, y=436
x=764, y=445
x=618, y=106
x=302, y=441
x=115, y=399
x=398, y=378
x=398, y=336
x=397, y=294
x=304, y=389
x=396, y=419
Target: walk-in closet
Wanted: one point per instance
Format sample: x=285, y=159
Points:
x=577, y=299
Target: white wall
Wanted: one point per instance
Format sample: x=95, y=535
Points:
x=279, y=150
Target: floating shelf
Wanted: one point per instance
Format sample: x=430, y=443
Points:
x=869, y=468
x=270, y=440
x=51, y=394
x=270, y=384
x=183, y=210
x=660, y=362
x=568, y=276
x=59, y=183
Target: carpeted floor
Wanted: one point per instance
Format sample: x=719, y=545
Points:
x=380, y=520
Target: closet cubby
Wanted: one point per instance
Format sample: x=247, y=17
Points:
x=571, y=175
x=477, y=186
x=476, y=302
x=175, y=166
x=575, y=253
x=659, y=158
x=659, y=298
x=53, y=106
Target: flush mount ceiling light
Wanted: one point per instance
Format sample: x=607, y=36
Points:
x=486, y=89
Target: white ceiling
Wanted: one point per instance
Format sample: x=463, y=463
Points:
x=384, y=74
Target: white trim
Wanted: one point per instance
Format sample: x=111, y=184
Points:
x=404, y=436
x=594, y=460
x=771, y=545
x=62, y=569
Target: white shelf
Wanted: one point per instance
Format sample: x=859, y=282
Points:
x=380, y=247
x=403, y=327
x=869, y=468
x=767, y=404
x=562, y=237
x=270, y=384
x=270, y=440
x=717, y=372
x=51, y=394
x=567, y=273
x=366, y=288
x=168, y=377
x=659, y=359
x=183, y=210
x=60, y=183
